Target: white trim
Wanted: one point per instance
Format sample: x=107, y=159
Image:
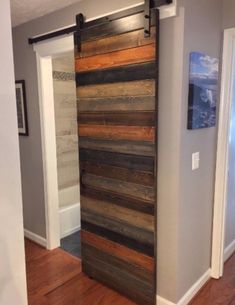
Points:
x=190, y=294
x=44, y=52
x=228, y=252
x=70, y=219
x=35, y=238
x=162, y=301
x=220, y=197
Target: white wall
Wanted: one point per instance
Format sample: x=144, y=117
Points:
x=12, y=260
x=229, y=22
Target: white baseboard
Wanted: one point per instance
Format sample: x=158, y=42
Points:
x=70, y=220
x=190, y=293
x=229, y=250
x=35, y=238
x=162, y=301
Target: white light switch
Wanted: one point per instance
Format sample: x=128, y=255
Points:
x=195, y=160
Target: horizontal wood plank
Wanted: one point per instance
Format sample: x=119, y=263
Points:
x=118, y=213
x=137, y=291
x=141, y=148
x=121, y=89
x=137, y=272
x=116, y=59
x=133, y=190
x=119, y=74
x=128, y=241
x=140, y=163
x=119, y=26
x=118, y=104
x=117, y=42
x=119, y=173
x=146, y=207
x=131, y=133
x=115, y=249
x=114, y=225
x=145, y=118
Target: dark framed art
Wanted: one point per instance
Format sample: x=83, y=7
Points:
x=21, y=108
x=203, y=91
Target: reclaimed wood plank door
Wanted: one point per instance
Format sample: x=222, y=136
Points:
x=116, y=76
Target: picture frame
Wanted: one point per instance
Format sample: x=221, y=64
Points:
x=203, y=91
x=21, y=108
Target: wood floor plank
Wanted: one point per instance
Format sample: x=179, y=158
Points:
x=116, y=58
x=50, y=272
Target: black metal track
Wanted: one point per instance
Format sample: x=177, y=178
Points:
x=153, y=4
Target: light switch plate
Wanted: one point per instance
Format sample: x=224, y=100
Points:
x=195, y=160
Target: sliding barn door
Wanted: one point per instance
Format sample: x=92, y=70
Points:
x=116, y=74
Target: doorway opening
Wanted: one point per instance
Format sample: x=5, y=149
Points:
x=65, y=103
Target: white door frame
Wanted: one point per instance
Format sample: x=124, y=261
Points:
x=221, y=179
x=44, y=53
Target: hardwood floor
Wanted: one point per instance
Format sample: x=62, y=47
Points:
x=55, y=278
x=219, y=292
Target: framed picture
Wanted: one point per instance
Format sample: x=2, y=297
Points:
x=203, y=91
x=21, y=108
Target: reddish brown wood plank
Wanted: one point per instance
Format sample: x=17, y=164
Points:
x=116, y=59
x=118, y=250
x=132, y=133
x=115, y=43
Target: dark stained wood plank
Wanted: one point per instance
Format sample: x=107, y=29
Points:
x=133, y=190
x=131, y=133
x=137, y=272
x=121, y=89
x=134, y=22
x=115, y=236
x=118, y=250
x=116, y=279
x=126, y=147
x=115, y=225
x=117, y=42
x=115, y=212
x=127, y=202
x=118, y=104
x=116, y=59
x=131, y=162
x=145, y=118
x=119, y=173
x=133, y=72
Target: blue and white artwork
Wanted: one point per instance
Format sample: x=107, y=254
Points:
x=203, y=91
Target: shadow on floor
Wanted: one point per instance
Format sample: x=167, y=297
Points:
x=72, y=244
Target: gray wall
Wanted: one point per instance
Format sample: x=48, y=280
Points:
x=228, y=14
x=185, y=198
x=12, y=258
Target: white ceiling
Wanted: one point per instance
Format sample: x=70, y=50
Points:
x=26, y=10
